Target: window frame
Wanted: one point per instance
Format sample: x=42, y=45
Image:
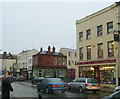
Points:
x=99, y=30
x=88, y=53
x=88, y=34
x=100, y=50
x=80, y=36
x=109, y=27
x=110, y=49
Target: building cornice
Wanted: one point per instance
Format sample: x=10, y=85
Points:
x=96, y=13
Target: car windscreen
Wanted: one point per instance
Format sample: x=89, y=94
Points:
x=56, y=81
x=92, y=81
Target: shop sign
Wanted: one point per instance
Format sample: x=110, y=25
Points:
x=97, y=62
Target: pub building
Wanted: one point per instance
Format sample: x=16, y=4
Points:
x=49, y=64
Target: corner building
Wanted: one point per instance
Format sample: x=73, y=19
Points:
x=98, y=55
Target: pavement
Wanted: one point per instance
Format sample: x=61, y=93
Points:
x=107, y=88
x=103, y=87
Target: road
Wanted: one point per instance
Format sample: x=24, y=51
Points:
x=28, y=90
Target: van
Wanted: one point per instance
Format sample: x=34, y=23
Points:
x=85, y=84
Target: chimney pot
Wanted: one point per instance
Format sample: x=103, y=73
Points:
x=49, y=48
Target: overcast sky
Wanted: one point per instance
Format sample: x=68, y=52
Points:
x=40, y=24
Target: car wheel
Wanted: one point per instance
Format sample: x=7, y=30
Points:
x=80, y=89
x=47, y=90
x=63, y=91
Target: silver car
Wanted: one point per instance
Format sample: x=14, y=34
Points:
x=85, y=84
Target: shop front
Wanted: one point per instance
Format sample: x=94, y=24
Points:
x=104, y=72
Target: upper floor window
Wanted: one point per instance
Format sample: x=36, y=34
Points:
x=88, y=34
x=59, y=61
x=100, y=50
x=110, y=48
x=80, y=36
x=109, y=27
x=55, y=61
x=68, y=62
x=81, y=53
x=69, y=53
x=75, y=54
x=99, y=30
x=88, y=52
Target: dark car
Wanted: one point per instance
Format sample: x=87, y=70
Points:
x=52, y=84
x=115, y=95
x=21, y=78
x=36, y=80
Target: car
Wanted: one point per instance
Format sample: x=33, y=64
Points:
x=2, y=76
x=117, y=88
x=114, y=95
x=85, y=84
x=21, y=78
x=36, y=80
x=48, y=85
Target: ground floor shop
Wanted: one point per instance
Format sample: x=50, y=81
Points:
x=51, y=72
x=104, y=71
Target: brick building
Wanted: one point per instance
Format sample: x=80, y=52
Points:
x=49, y=64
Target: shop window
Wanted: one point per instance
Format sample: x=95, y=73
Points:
x=88, y=52
x=110, y=48
x=100, y=50
x=61, y=73
x=48, y=73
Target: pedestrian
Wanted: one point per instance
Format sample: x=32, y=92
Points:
x=6, y=88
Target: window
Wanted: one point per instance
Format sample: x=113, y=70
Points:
x=55, y=61
x=88, y=52
x=81, y=53
x=75, y=63
x=69, y=53
x=59, y=61
x=61, y=73
x=110, y=49
x=109, y=27
x=68, y=62
x=75, y=54
x=48, y=73
x=99, y=30
x=100, y=50
x=88, y=34
x=80, y=36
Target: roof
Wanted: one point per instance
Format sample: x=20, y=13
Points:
x=51, y=53
x=69, y=49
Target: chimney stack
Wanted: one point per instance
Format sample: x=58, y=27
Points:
x=53, y=49
x=49, y=48
x=41, y=49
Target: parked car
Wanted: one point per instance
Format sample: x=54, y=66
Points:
x=36, y=80
x=21, y=78
x=117, y=88
x=52, y=84
x=85, y=84
x=2, y=76
x=115, y=95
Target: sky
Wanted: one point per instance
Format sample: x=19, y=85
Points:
x=28, y=25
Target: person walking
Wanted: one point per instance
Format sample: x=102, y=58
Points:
x=6, y=88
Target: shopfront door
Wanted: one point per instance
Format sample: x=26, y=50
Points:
x=97, y=73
